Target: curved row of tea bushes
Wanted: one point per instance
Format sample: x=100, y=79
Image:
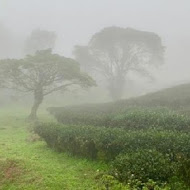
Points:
x=136, y=155
x=107, y=143
x=134, y=118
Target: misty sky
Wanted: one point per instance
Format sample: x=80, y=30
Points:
x=75, y=21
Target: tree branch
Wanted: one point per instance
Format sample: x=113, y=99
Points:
x=58, y=88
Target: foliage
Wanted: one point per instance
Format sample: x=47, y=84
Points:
x=133, y=134
x=109, y=182
x=114, y=52
x=184, y=170
x=46, y=169
x=143, y=165
x=175, y=98
x=42, y=74
x=131, y=119
x=158, y=152
x=143, y=144
x=107, y=143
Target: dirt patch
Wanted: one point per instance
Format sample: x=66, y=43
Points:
x=10, y=170
x=14, y=172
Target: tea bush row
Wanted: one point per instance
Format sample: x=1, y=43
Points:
x=133, y=118
x=152, y=154
x=106, y=143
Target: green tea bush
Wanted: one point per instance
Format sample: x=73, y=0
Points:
x=108, y=182
x=106, y=143
x=146, y=141
x=184, y=170
x=131, y=119
x=147, y=154
x=85, y=141
x=143, y=165
x=151, y=118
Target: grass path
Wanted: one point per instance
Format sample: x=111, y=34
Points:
x=28, y=165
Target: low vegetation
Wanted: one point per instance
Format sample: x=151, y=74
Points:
x=126, y=148
x=26, y=163
x=147, y=146
x=155, y=154
x=131, y=119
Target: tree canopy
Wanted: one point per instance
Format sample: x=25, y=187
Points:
x=42, y=74
x=114, y=52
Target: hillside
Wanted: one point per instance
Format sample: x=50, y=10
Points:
x=176, y=98
x=144, y=140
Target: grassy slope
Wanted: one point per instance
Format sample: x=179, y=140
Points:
x=32, y=165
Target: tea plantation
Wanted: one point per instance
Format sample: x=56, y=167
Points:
x=145, y=141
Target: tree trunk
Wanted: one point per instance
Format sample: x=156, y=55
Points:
x=116, y=87
x=38, y=98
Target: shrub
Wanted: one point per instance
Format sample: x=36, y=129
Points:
x=130, y=119
x=107, y=143
x=184, y=170
x=151, y=118
x=143, y=165
x=110, y=183
x=153, y=154
x=86, y=141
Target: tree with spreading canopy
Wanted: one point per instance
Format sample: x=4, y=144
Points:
x=40, y=40
x=114, y=52
x=42, y=74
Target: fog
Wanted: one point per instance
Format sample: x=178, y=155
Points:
x=95, y=94
x=75, y=22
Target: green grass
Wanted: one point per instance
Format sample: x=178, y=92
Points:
x=27, y=163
